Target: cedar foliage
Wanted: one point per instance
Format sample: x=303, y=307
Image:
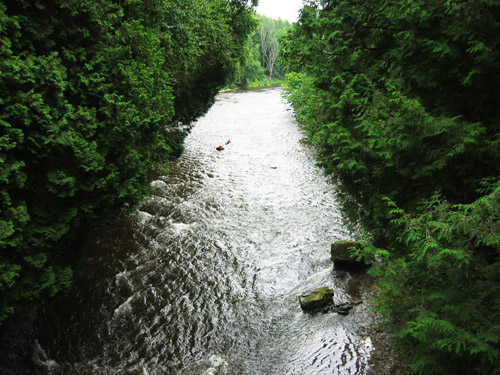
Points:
x=401, y=98
x=91, y=96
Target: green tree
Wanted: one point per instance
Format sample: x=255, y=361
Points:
x=269, y=34
x=378, y=111
x=400, y=98
x=440, y=288
x=251, y=71
x=91, y=96
x=262, y=50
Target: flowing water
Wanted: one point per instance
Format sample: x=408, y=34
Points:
x=204, y=278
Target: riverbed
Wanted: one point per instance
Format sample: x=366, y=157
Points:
x=204, y=278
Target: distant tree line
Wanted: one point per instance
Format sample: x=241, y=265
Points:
x=402, y=99
x=262, y=50
x=92, y=94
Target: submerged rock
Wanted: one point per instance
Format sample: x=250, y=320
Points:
x=316, y=299
x=341, y=256
x=344, y=308
x=218, y=366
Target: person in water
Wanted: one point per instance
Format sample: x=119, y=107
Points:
x=228, y=142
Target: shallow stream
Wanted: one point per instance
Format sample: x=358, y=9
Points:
x=205, y=277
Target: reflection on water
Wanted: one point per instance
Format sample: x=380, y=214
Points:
x=204, y=278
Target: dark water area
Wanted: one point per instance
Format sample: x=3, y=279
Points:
x=204, y=278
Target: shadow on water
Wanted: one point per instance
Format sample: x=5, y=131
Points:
x=204, y=277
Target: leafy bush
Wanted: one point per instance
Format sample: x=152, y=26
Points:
x=440, y=289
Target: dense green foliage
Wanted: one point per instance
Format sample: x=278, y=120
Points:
x=268, y=36
x=262, y=49
x=401, y=98
x=91, y=97
x=251, y=72
x=443, y=293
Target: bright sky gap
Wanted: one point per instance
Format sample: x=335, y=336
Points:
x=284, y=9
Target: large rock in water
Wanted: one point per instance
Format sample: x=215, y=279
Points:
x=341, y=256
x=316, y=299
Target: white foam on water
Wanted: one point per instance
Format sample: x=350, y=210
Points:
x=218, y=366
x=125, y=307
x=369, y=344
x=41, y=359
x=180, y=227
x=158, y=184
x=143, y=217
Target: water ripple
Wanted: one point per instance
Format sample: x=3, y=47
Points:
x=204, y=277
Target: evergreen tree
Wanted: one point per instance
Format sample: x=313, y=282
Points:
x=401, y=99
x=91, y=95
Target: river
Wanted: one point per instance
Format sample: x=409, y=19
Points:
x=204, y=278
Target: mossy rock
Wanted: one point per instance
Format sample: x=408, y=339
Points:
x=341, y=256
x=316, y=299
